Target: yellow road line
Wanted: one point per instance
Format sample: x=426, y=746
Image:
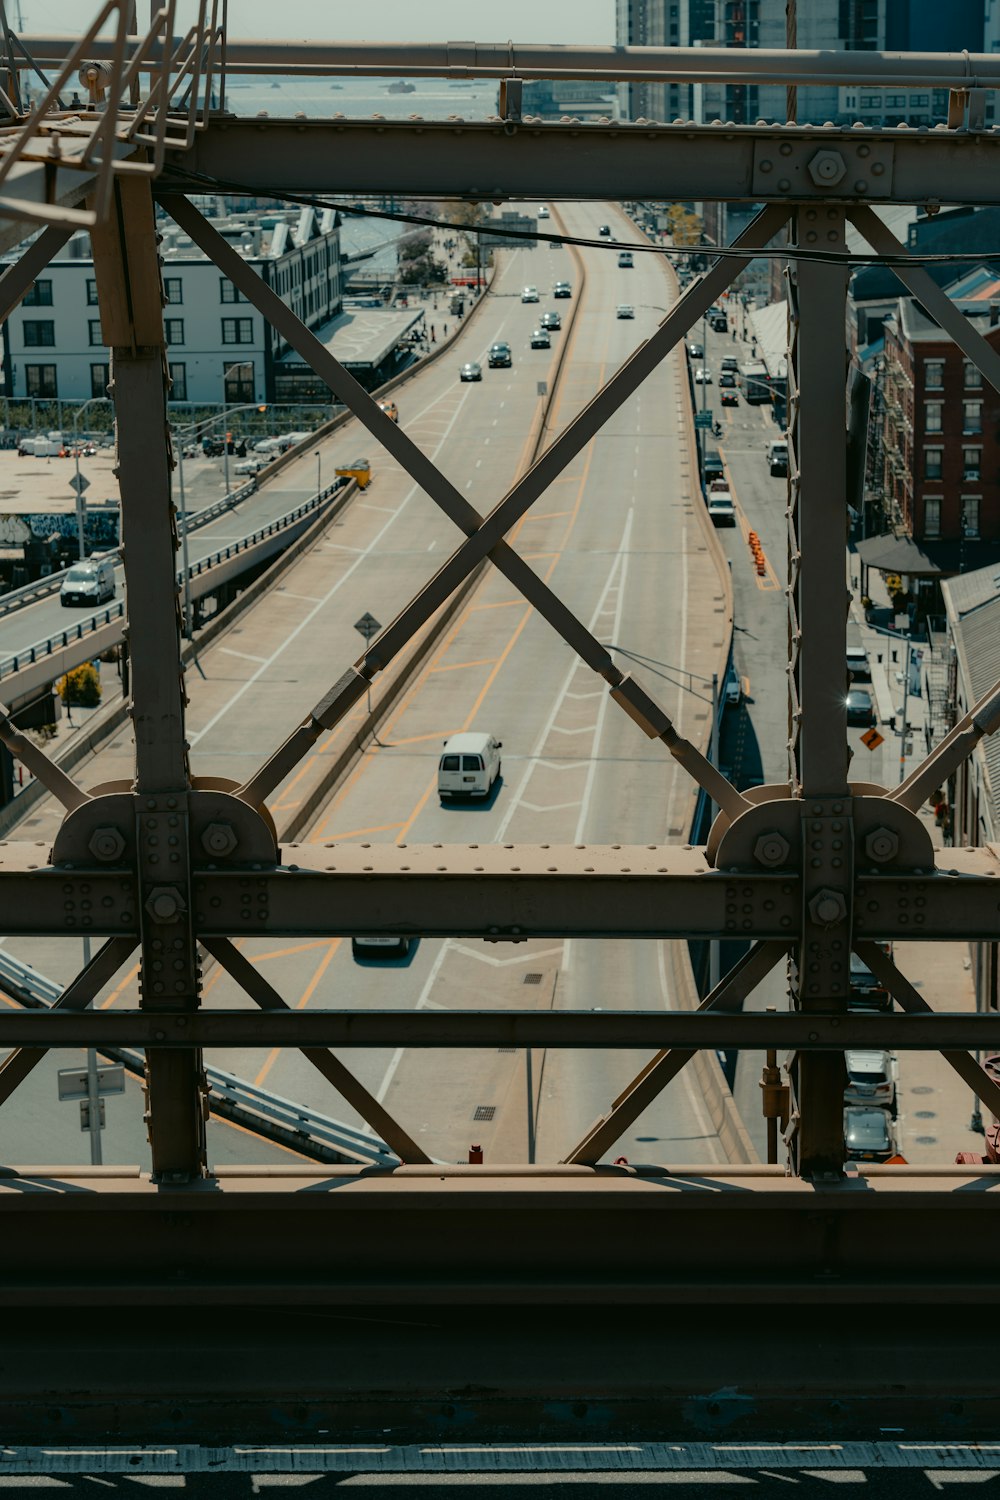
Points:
x=307, y=993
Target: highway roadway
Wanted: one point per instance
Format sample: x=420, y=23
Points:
x=621, y=537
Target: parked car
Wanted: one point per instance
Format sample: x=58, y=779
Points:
x=859, y=707
x=499, y=356
x=858, y=664
x=562, y=289
x=380, y=947
x=391, y=409
x=604, y=230
x=550, y=320
x=625, y=310
x=540, y=339
x=529, y=294
x=543, y=212
x=469, y=766
x=729, y=398
x=702, y=375
x=871, y=1079
x=625, y=260
x=251, y=465
x=471, y=371
x=868, y=1134
x=733, y=689
x=712, y=466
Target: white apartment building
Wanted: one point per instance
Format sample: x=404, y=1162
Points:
x=220, y=347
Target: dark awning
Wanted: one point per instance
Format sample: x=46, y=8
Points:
x=901, y=554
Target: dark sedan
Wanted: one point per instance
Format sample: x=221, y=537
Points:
x=471, y=372
x=859, y=707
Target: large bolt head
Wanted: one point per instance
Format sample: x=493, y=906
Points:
x=219, y=840
x=827, y=168
x=771, y=849
x=165, y=903
x=106, y=844
x=881, y=845
x=827, y=908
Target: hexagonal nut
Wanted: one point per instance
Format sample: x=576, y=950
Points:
x=881, y=845
x=772, y=849
x=219, y=840
x=827, y=168
x=827, y=908
x=106, y=844
x=165, y=903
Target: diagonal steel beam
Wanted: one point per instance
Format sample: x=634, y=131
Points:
x=911, y=1000
x=932, y=299
x=333, y=1070
x=483, y=537
x=17, y=279
x=52, y=777
x=982, y=719
x=661, y=1069
x=77, y=996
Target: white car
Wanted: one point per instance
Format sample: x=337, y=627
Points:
x=703, y=375
x=734, y=688
x=529, y=294
x=250, y=466
x=624, y=310
x=543, y=212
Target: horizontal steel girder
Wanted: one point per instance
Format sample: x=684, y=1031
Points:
x=650, y=1030
x=501, y=893
x=497, y=160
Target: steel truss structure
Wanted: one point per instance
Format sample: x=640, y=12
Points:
x=170, y=864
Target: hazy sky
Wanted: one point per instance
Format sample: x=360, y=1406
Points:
x=388, y=20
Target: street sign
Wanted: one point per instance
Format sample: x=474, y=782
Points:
x=703, y=418
x=79, y=482
x=367, y=626
x=73, y=1081
x=872, y=739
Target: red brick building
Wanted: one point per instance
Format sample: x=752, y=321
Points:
x=941, y=437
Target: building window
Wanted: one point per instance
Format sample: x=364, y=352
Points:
x=178, y=382
x=94, y=330
x=972, y=416
x=239, y=383
x=237, y=330
x=173, y=328
x=933, y=374
x=932, y=416
x=40, y=381
x=91, y=292
x=973, y=376
x=228, y=292
x=100, y=376
x=932, y=462
x=173, y=289
x=932, y=517
x=39, y=333
x=970, y=515
x=971, y=460
x=39, y=294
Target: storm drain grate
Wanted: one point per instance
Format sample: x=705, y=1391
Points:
x=532, y=979
x=506, y=1049
x=484, y=1111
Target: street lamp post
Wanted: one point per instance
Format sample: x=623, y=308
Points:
x=319, y=471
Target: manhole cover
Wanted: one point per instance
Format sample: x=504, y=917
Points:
x=532, y=979
x=485, y=1111
x=925, y=1114
x=922, y=1088
x=926, y=1140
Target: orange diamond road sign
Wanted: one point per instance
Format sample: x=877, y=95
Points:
x=872, y=739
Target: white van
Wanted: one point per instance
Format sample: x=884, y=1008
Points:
x=469, y=766
x=90, y=582
x=777, y=457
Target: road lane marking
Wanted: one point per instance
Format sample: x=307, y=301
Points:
x=304, y=999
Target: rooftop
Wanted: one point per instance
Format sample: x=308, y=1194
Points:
x=360, y=337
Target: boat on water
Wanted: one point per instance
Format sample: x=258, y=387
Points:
x=401, y=87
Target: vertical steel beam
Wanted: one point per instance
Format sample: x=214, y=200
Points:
x=126, y=266
x=818, y=602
